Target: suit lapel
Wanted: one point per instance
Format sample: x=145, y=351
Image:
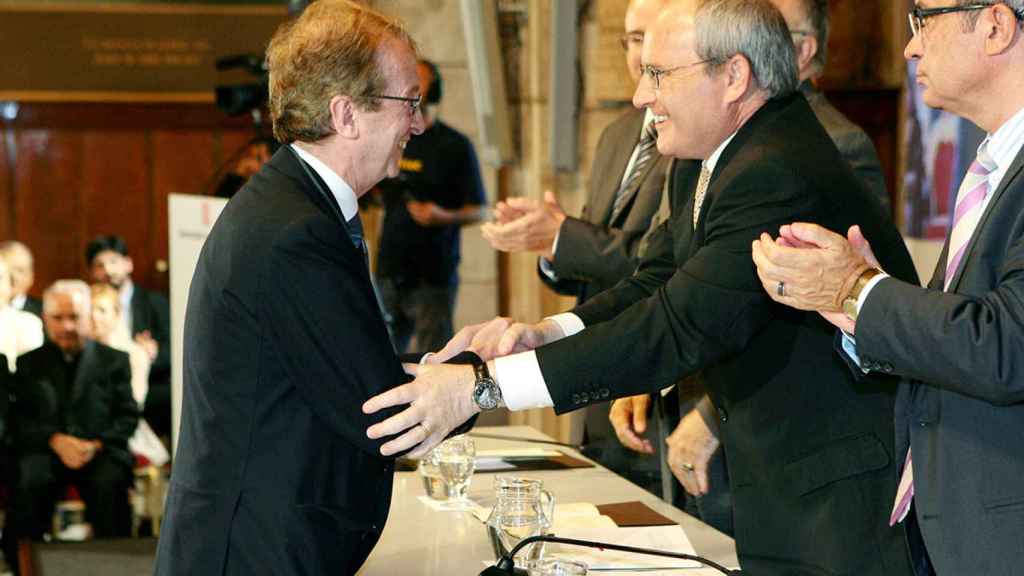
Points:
x=84, y=368
x=625, y=142
x=1011, y=175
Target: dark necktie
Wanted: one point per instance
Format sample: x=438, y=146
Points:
x=355, y=231
x=648, y=152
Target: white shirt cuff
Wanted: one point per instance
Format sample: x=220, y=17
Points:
x=568, y=322
x=850, y=347
x=867, y=289
x=521, y=382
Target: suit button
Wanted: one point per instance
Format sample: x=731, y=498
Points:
x=575, y=398
x=922, y=424
x=887, y=368
x=605, y=393
x=723, y=415
x=584, y=397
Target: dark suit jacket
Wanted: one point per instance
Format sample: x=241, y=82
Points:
x=284, y=342
x=854, y=145
x=100, y=405
x=962, y=405
x=594, y=253
x=152, y=312
x=809, y=450
x=33, y=306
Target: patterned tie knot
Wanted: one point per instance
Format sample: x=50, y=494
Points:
x=983, y=165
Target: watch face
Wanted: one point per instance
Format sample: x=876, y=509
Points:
x=485, y=394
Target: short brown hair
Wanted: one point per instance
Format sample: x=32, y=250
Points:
x=330, y=49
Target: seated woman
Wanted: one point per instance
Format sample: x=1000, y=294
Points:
x=109, y=328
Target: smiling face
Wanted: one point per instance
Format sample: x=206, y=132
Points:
x=388, y=129
x=689, y=105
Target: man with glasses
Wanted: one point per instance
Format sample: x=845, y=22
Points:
x=958, y=343
x=284, y=339
x=585, y=256
x=809, y=450
x=438, y=190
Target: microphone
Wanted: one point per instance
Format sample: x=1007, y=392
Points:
x=507, y=567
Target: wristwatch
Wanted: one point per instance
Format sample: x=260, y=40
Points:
x=486, y=393
x=850, y=302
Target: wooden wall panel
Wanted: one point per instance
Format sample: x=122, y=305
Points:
x=183, y=163
x=7, y=214
x=115, y=194
x=48, y=202
x=78, y=170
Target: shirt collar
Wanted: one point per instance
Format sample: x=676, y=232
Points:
x=1005, y=143
x=18, y=302
x=711, y=161
x=339, y=188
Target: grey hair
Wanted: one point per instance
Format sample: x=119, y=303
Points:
x=71, y=288
x=970, y=19
x=755, y=29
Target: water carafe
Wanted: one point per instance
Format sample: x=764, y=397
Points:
x=523, y=509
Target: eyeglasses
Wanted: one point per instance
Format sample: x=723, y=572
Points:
x=631, y=38
x=414, y=103
x=657, y=74
x=918, y=15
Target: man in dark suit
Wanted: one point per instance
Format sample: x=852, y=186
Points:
x=147, y=315
x=809, y=464
x=585, y=256
x=959, y=342
x=73, y=416
x=19, y=259
x=284, y=338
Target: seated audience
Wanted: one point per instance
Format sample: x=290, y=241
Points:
x=19, y=260
x=145, y=314
x=74, y=415
x=109, y=329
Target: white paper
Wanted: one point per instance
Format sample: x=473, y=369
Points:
x=662, y=538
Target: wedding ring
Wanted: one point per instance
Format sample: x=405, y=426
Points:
x=687, y=466
x=780, y=289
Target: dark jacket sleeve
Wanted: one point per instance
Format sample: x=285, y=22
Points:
x=124, y=412
x=591, y=253
x=325, y=325
x=972, y=345
x=711, y=306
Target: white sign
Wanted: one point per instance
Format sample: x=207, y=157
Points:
x=190, y=220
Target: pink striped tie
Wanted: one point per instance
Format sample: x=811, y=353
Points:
x=969, y=201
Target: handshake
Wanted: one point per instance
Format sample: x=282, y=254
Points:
x=440, y=398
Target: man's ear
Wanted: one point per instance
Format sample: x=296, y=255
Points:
x=1000, y=27
x=344, y=117
x=739, y=76
x=806, y=52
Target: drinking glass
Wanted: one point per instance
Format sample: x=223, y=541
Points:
x=558, y=567
x=456, y=459
x=433, y=483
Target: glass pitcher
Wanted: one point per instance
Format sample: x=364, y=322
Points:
x=523, y=509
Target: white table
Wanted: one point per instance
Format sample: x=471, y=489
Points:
x=418, y=540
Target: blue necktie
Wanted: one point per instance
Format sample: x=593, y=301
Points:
x=355, y=231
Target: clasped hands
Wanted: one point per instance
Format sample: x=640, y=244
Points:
x=810, y=267
x=440, y=396
x=74, y=452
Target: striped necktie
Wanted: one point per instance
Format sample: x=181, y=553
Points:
x=969, y=202
x=647, y=153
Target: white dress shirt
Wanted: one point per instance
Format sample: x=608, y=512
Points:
x=342, y=192
x=519, y=376
x=20, y=332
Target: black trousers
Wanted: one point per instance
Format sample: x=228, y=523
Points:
x=41, y=480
